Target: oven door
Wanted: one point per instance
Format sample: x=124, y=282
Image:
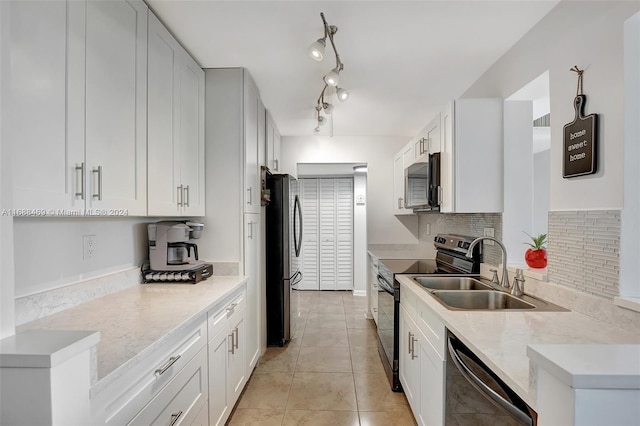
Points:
x=386, y=324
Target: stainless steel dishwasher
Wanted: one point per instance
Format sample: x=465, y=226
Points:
x=476, y=395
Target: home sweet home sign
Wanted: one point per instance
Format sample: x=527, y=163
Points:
x=580, y=138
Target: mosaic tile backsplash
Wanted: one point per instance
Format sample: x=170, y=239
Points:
x=584, y=251
x=464, y=224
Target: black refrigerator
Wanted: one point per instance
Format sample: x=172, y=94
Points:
x=283, y=244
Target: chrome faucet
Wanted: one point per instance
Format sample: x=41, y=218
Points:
x=504, y=282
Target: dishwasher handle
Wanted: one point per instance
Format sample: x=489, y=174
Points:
x=517, y=408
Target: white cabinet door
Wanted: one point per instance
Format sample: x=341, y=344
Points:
x=175, y=127
x=252, y=270
x=273, y=145
x=471, y=135
x=252, y=190
x=309, y=200
x=51, y=142
x=190, y=116
x=163, y=143
x=116, y=100
x=409, y=366
x=400, y=162
x=432, y=383
x=219, y=398
x=237, y=374
x=433, y=135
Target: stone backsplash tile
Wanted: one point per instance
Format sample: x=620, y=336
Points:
x=464, y=224
x=584, y=251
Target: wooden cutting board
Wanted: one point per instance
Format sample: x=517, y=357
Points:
x=580, y=142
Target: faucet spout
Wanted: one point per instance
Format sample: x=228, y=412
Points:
x=504, y=282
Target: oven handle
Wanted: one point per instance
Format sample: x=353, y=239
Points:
x=382, y=283
x=518, y=409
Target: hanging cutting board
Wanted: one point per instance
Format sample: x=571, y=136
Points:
x=580, y=142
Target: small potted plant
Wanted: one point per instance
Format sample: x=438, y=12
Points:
x=536, y=256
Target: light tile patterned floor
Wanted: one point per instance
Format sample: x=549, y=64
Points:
x=330, y=374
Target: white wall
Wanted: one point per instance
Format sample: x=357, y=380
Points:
x=541, y=176
x=360, y=234
x=49, y=251
x=377, y=152
x=590, y=35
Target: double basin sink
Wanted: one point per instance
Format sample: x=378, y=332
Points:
x=472, y=293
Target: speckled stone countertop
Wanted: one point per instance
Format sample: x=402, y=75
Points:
x=137, y=319
x=401, y=251
x=500, y=339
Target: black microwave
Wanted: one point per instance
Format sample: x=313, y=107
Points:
x=422, y=189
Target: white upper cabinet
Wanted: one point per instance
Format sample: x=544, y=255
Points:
x=428, y=140
x=175, y=127
x=48, y=145
x=253, y=108
x=401, y=161
x=273, y=145
x=472, y=156
x=116, y=105
x=78, y=96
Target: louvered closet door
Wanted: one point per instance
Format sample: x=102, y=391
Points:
x=328, y=235
x=344, y=234
x=309, y=254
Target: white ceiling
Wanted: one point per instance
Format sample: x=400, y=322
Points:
x=403, y=59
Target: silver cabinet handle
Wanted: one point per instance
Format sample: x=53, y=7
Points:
x=275, y=163
x=232, y=307
x=160, y=371
x=249, y=201
x=98, y=170
x=409, y=341
x=80, y=168
x=250, y=236
x=439, y=195
x=175, y=417
x=399, y=203
x=233, y=345
x=413, y=347
x=422, y=150
x=179, y=198
x=186, y=197
x=235, y=330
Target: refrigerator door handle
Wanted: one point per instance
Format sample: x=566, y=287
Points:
x=297, y=226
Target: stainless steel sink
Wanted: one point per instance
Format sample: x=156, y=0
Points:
x=465, y=293
x=451, y=283
x=480, y=300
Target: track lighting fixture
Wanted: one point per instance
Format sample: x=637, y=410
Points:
x=316, y=51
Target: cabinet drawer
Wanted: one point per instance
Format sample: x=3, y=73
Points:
x=126, y=396
x=180, y=402
x=218, y=316
x=432, y=328
x=408, y=301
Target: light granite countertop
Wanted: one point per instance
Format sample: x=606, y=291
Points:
x=137, y=319
x=408, y=251
x=500, y=339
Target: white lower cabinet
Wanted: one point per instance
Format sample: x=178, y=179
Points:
x=227, y=372
x=422, y=367
x=254, y=301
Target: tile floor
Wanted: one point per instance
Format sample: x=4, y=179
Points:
x=330, y=374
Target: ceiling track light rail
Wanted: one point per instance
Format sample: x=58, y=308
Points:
x=331, y=79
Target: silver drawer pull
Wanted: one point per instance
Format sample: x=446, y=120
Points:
x=98, y=170
x=250, y=191
x=232, y=307
x=413, y=347
x=80, y=180
x=180, y=196
x=235, y=330
x=186, y=196
x=175, y=417
x=233, y=345
x=160, y=371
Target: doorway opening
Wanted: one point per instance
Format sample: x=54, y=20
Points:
x=334, y=243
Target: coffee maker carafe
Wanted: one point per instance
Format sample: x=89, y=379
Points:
x=171, y=245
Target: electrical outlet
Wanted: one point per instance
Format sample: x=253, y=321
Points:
x=488, y=232
x=88, y=247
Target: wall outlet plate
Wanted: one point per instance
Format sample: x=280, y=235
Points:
x=88, y=247
x=489, y=232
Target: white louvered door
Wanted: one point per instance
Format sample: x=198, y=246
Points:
x=328, y=235
x=327, y=249
x=344, y=234
x=309, y=254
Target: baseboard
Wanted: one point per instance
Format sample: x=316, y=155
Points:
x=359, y=292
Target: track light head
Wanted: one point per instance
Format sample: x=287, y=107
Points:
x=333, y=77
x=342, y=94
x=316, y=50
x=328, y=108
